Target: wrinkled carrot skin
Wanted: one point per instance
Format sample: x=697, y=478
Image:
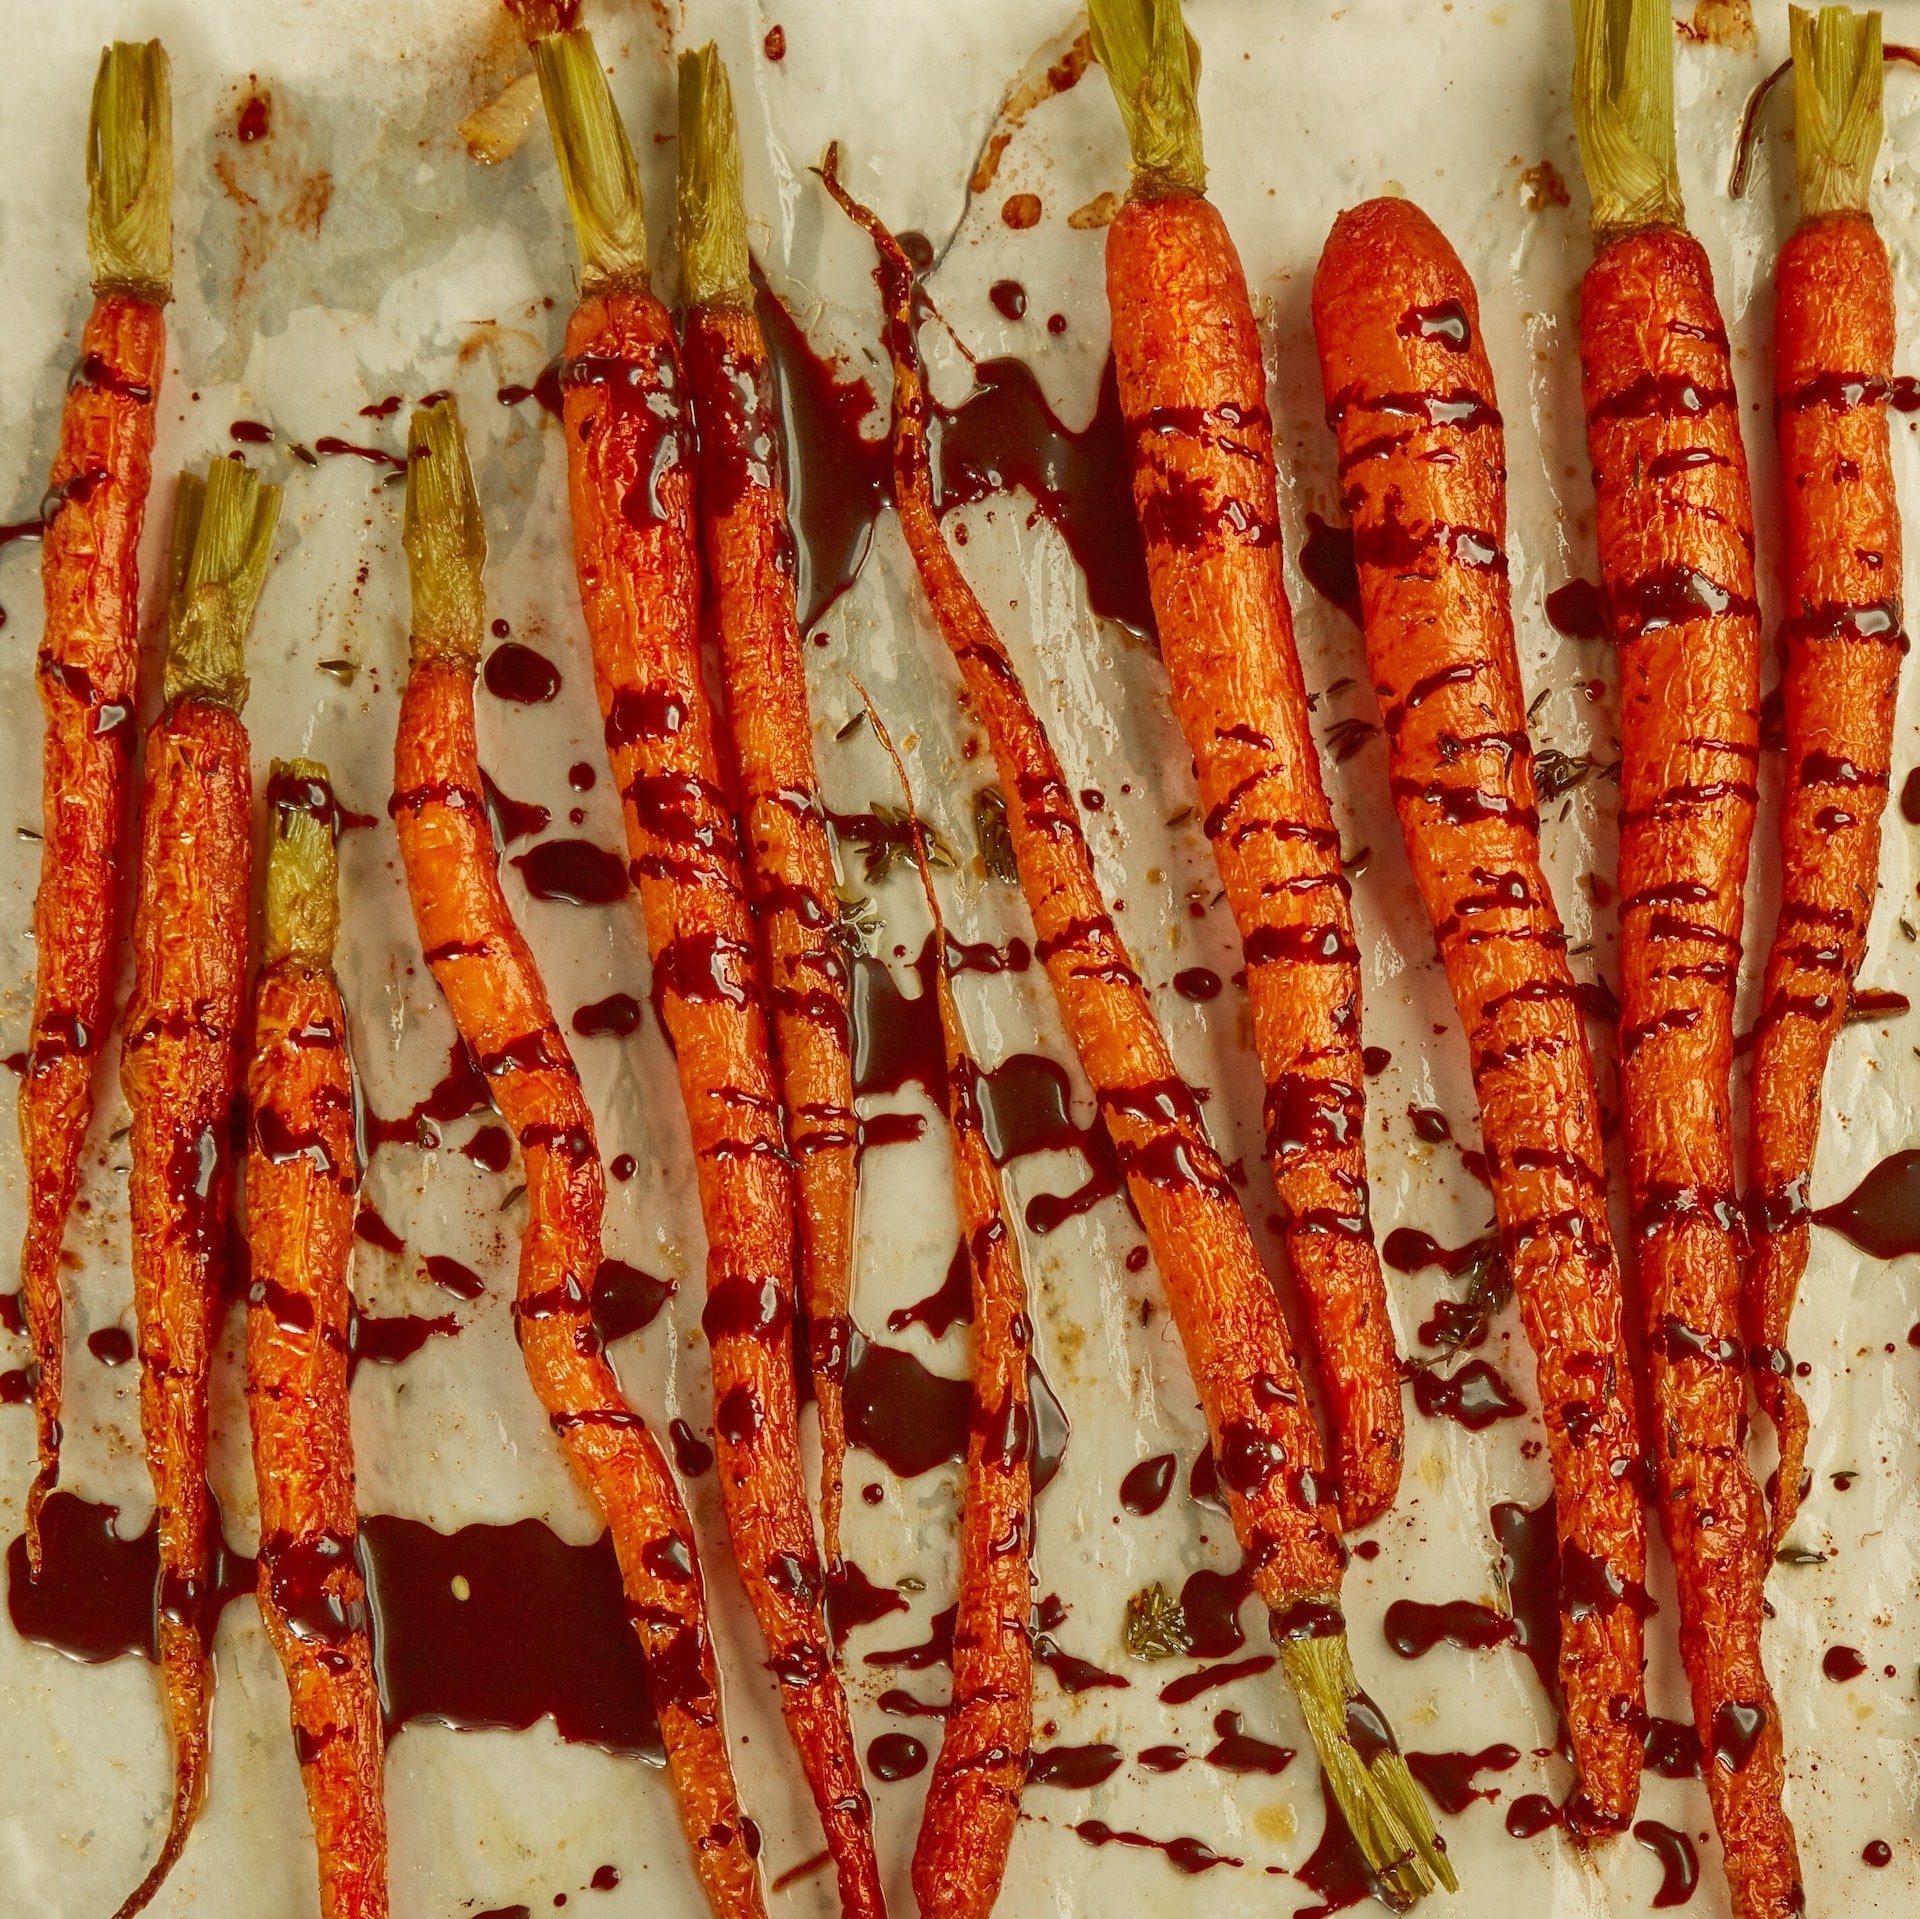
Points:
x=180, y=1069
x=789, y=859
x=1423, y=470
x=483, y=965
x=1675, y=527
x=1194, y=392
x=1834, y=338
x=88, y=669
x=1264, y=1437
x=629, y=465
x=973, y=1802
x=302, y=1176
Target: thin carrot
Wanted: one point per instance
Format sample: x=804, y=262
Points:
x=1675, y=526
x=1843, y=639
x=302, y=1176
x=89, y=665
x=1423, y=463
x=789, y=858
x=485, y=968
x=973, y=1802
x=1223, y=1301
x=1193, y=386
x=629, y=470
x=180, y=1065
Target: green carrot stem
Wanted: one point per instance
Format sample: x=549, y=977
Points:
x=1836, y=107
x=222, y=543
x=1153, y=64
x=713, y=211
x=303, y=871
x=445, y=538
x=1623, y=114
x=130, y=172
x=597, y=166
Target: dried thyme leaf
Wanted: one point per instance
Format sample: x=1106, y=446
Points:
x=885, y=837
x=1799, y=1556
x=1556, y=772
x=991, y=836
x=1155, y=1627
x=1346, y=737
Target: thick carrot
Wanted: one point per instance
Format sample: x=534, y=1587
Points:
x=1423, y=466
x=1675, y=527
x=636, y=549
x=302, y=1177
x=789, y=858
x=89, y=665
x=485, y=968
x=180, y=1065
x=1194, y=390
x=1833, y=364
x=973, y=1801
x=1223, y=1301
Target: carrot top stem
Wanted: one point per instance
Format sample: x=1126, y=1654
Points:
x=222, y=541
x=130, y=172
x=303, y=870
x=1623, y=114
x=1153, y=63
x=713, y=207
x=1389, y=1818
x=597, y=167
x=445, y=538
x=1836, y=107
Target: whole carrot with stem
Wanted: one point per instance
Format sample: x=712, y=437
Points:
x=1193, y=386
x=180, y=1065
x=1675, y=529
x=88, y=670
x=789, y=858
x=1410, y=395
x=483, y=965
x=973, y=1801
x=1264, y=1438
x=636, y=550
x=1843, y=641
x=302, y=1178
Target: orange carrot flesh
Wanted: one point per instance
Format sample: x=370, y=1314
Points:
x=88, y=670
x=1194, y=392
x=628, y=460
x=973, y=1800
x=1423, y=466
x=180, y=1067
x=302, y=1178
x=1676, y=555
x=789, y=859
x=1264, y=1438
x=1844, y=641
x=483, y=965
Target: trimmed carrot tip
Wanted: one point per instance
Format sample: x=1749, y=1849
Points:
x=223, y=530
x=1623, y=113
x=303, y=870
x=1153, y=64
x=1389, y=1817
x=712, y=206
x=445, y=537
x=597, y=167
x=130, y=172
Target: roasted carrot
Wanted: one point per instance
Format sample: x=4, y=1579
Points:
x=636, y=548
x=485, y=968
x=1194, y=392
x=789, y=858
x=180, y=1065
x=1675, y=533
x=302, y=1177
x=973, y=1802
x=1264, y=1437
x=1843, y=639
x=89, y=664
x=1410, y=396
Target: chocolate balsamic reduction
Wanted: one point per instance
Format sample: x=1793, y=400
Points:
x=855, y=1600
x=1882, y=1214
x=1679, y=1864
x=1579, y=610
x=1414, y=1628
x=894, y=1756
x=1145, y=1488
x=1236, y=1750
x=1449, y=1776
x=521, y=675
x=948, y=1305
x=625, y=1299
x=576, y=872
x=1336, y=1869
x=1072, y=1768
x=452, y=1277
x=1328, y=561
x=617, y=1015
x=1192, y=1685
x=1473, y=1396
x=1186, y=1855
